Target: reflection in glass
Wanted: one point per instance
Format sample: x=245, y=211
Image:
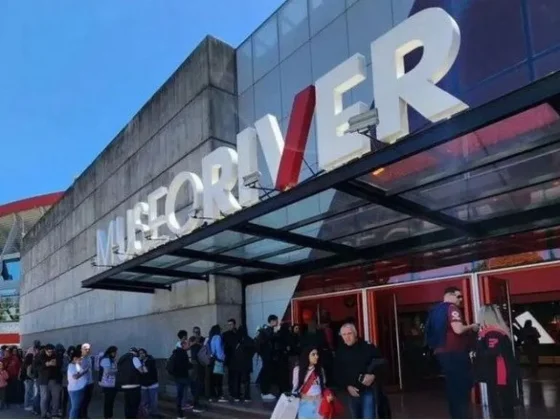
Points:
x=351, y=221
x=9, y=305
x=244, y=61
x=295, y=256
x=505, y=135
x=500, y=205
x=293, y=26
x=221, y=241
x=268, y=98
x=391, y=233
x=265, y=48
x=532, y=168
x=318, y=204
x=329, y=48
x=258, y=248
x=323, y=12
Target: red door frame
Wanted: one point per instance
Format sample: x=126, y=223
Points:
x=296, y=307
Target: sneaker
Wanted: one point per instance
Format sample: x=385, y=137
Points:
x=236, y=400
x=268, y=397
x=28, y=408
x=188, y=407
x=222, y=400
x=197, y=410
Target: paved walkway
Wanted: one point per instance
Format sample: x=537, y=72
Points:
x=95, y=411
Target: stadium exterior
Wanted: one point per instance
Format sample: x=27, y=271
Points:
x=174, y=226
x=16, y=219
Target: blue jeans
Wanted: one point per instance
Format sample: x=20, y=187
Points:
x=456, y=367
x=29, y=393
x=363, y=407
x=37, y=397
x=183, y=385
x=76, y=398
x=309, y=409
x=150, y=400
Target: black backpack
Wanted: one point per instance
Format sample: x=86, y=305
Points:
x=170, y=364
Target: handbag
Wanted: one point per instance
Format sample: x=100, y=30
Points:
x=287, y=407
x=218, y=368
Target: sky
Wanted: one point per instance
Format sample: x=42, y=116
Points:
x=74, y=72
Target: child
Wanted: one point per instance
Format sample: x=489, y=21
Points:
x=3, y=385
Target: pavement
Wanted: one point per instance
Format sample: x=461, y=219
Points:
x=95, y=411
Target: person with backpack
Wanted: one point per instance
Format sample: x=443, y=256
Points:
x=241, y=366
x=108, y=380
x=198, y=371
x=448, y=337
x=129, y=370
x=179, y=367
x=495, y=362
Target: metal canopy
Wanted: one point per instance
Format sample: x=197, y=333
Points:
x=472, y=180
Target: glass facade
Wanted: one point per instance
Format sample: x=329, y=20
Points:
x=505, y=45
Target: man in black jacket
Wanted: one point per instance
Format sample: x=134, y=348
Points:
x=49, y=379
x=129, y=371
x=179, y=366
x=357, y=365
x=230, y=339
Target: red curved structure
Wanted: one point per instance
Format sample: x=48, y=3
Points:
x=46, y=200
x=16, y=218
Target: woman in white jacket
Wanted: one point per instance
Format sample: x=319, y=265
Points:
x=309, y=383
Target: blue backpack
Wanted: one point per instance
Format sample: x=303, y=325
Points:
x=436, y=326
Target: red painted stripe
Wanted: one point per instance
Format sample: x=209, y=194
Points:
x=10, y=338
x=296, y=139
x=30, y=203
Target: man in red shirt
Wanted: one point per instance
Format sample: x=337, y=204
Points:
x=453, y=353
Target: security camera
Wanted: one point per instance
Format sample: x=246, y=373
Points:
x=115, y=249
x=362, y=122
x=251, y=179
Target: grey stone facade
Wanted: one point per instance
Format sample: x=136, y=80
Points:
x=192, y=113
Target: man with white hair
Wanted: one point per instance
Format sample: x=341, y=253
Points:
x=88, y=365
x=357, y=364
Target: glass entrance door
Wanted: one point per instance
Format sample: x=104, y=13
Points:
x=495, y=291
x=384, y=332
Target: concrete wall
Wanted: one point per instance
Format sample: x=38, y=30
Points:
x=192, y=113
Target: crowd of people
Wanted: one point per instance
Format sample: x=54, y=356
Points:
x=309, y=360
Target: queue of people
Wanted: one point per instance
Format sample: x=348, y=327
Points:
x=308, y=360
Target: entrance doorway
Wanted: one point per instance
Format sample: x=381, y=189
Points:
x=529, y=298
x=333, y=310
x=398, y=315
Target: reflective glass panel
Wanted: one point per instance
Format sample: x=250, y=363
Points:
x=293, y=26
x=223, y=240
x=265, y=48
x=127, y=276
x=165, y=261
x=297, y=256
x=258, y=248
x=200, y=267
x=350, y=222
x=324, y=203
x=391, y=233
x=530, y=168
x=500, y=205
x=501, y=136
x=240, y=270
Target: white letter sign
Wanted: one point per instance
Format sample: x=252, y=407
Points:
x=393, y=89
